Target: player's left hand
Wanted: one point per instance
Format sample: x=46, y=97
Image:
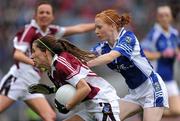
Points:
x=41, y=88
x=168, y=53
x=178, y=57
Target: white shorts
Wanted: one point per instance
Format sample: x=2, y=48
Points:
x=172, y=88
x=108, y=112
x=16, y=88
x=152, y=93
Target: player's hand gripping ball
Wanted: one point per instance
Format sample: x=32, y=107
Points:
x=62, y=96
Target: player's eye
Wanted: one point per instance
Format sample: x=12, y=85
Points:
x=98, y=26
x=47, y=12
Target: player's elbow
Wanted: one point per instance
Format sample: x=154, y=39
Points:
x=16, y=56
x=87, y=90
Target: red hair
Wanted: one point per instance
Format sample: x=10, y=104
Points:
x=112, y=17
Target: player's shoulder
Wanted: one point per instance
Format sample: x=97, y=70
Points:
x=174, y=30
x=127, y=37
x=28, y=28
x=66, y=60
x=65, y=57
x=54, y=27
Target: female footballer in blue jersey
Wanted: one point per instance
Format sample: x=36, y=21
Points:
x=120, y=50
x=161, y=44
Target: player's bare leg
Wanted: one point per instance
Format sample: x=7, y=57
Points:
x=153, y=114
x=74, y=118
x=5, y=102
x=174, y=106
x=128, y=109
x=42, y=107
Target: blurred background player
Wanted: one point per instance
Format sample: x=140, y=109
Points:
x=66, y=64
x=14, y=84
x=120, y=50
x=161, y=44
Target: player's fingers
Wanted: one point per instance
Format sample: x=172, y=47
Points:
x=32, y=89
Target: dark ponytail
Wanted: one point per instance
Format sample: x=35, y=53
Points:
x=56, y=46
x=77, y=52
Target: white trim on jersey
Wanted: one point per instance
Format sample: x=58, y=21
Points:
x=63, y=61
x=74, y=79
x=23, y=46
x=61, y=32
x=141, y=62
x=34, y=24
x=25, y=33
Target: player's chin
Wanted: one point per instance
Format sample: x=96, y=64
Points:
x=101, y=38
x=45, y=24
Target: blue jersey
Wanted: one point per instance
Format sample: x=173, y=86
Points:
x=132, y=64
x=158, y=40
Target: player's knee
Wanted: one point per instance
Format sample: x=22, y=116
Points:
x=175, y=111
x=2, y=108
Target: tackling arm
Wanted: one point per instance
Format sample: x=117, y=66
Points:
x=20, y=56
x=80, y=28
x=104, y=59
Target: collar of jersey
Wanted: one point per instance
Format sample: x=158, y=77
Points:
x=54, y=58
x=159, y=28
x=34, y=23
x=122, y=31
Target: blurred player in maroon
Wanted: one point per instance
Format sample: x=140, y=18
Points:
x=14, y=85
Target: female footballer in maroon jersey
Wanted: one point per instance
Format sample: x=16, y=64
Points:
x=65, y=63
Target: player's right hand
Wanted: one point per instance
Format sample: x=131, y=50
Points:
x=61, y=108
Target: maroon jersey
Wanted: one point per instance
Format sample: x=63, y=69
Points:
x=66, y=68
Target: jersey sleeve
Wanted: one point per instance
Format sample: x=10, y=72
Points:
x=23, y=46
x=125, y=45
x=60, y=32
x=72, y=70
x=23, y=39
x=149, y=42
x=178, y=40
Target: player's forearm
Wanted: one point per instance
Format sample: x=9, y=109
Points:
x=80, y=95
x=101, y=60
x=20, y=56
x=82, y=92
x=80, y=28
x=152, y=55
x=86, y=27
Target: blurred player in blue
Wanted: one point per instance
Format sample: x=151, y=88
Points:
x=120, y=50
x=161, y=44
x=14, y=85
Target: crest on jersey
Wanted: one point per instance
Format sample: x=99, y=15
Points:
x=128, y=40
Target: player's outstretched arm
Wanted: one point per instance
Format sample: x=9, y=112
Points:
x=79, y=28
